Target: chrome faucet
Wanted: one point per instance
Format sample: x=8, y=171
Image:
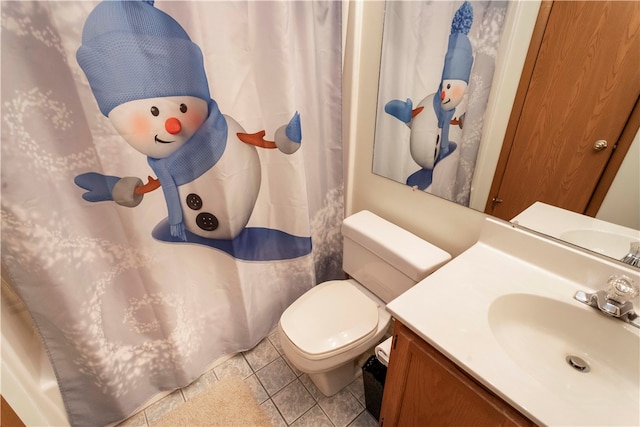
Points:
x=615, y=301
x=633, y=257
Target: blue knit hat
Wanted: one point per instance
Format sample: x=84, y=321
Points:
x=131, y=50
x=459, y=57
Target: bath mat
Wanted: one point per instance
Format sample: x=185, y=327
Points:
x=228, y=402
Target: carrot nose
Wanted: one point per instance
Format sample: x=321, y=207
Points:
x=172, y=125
x=442, y=96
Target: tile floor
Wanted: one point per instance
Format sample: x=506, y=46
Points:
x=287, y=395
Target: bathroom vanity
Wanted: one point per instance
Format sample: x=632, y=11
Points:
x=498, y=337
x=422, y=384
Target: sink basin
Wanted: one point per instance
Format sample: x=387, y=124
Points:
x=568, y=348
x=504, y=312
x=603, y=242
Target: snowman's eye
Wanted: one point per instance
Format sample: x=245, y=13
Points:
x=183, y=108
x=155, y=111
x=448, y=85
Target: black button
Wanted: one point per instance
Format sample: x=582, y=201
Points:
x=194, y=201
x=207, y=221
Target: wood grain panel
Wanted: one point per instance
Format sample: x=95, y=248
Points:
x=584, y=84
x=424, y=388
x=8, y=417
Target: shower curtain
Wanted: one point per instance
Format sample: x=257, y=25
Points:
x=132, y=299
x=414, y=45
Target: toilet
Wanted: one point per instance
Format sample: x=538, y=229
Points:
x=329, y=327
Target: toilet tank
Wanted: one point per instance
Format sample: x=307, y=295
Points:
x=384, y=258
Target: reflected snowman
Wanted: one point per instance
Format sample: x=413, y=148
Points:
x=430, y=121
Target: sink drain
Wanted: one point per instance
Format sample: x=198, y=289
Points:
x=577, y=363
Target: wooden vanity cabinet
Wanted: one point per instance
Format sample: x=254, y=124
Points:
x=424, y=388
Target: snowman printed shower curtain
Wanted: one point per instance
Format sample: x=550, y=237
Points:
x=171, y=182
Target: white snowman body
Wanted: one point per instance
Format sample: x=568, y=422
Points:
x=424, y=142
x=426, y=136
x=219, y=202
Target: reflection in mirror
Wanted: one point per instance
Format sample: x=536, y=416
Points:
x=568, y=132
x=406, y=74
x=573, y=142
x=612, y=240
x=437, y=65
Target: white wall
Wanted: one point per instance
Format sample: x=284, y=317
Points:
x=450, y=226
x=622, y=202
x=28, y=382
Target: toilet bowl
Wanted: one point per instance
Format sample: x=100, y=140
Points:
x=329, y=327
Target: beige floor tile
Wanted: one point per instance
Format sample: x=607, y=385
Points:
x=273, y=414
x=137, y=420
x=365, y=419
x=342, y=407
x=357, y=389
x=236, y=366
x=314, y=417
x=293, y=401
x=163, y=406
x=275, y=376
x=275, y=341
x=261, y=355
x=311, y=387
x=258, y=391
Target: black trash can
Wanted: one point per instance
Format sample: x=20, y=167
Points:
x=373, y=375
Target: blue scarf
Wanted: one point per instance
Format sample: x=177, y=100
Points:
x=199, y=154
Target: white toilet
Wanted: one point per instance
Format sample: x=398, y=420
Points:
x=325, y=330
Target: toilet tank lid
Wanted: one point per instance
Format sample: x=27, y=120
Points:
x=410, y=254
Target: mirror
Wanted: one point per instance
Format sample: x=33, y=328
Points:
x=406, y=74
x=436, y=70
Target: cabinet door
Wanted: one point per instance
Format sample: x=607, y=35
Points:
x=424, y=388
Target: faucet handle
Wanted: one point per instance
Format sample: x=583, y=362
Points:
x=621, y=289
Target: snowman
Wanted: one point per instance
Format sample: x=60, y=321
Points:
x=148, y=78
x=430, y=121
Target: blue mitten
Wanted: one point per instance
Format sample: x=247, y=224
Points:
x=105, y=188
x=294, y=130
x=99, y=187
x=288, y=138
x=401, y=110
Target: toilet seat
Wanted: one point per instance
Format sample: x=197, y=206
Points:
x=332, y=316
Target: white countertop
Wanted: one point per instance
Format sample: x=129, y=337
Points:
x=451, y=310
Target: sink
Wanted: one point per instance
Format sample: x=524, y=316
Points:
x=606, y=243
x=504, y=312
x=568, y=348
